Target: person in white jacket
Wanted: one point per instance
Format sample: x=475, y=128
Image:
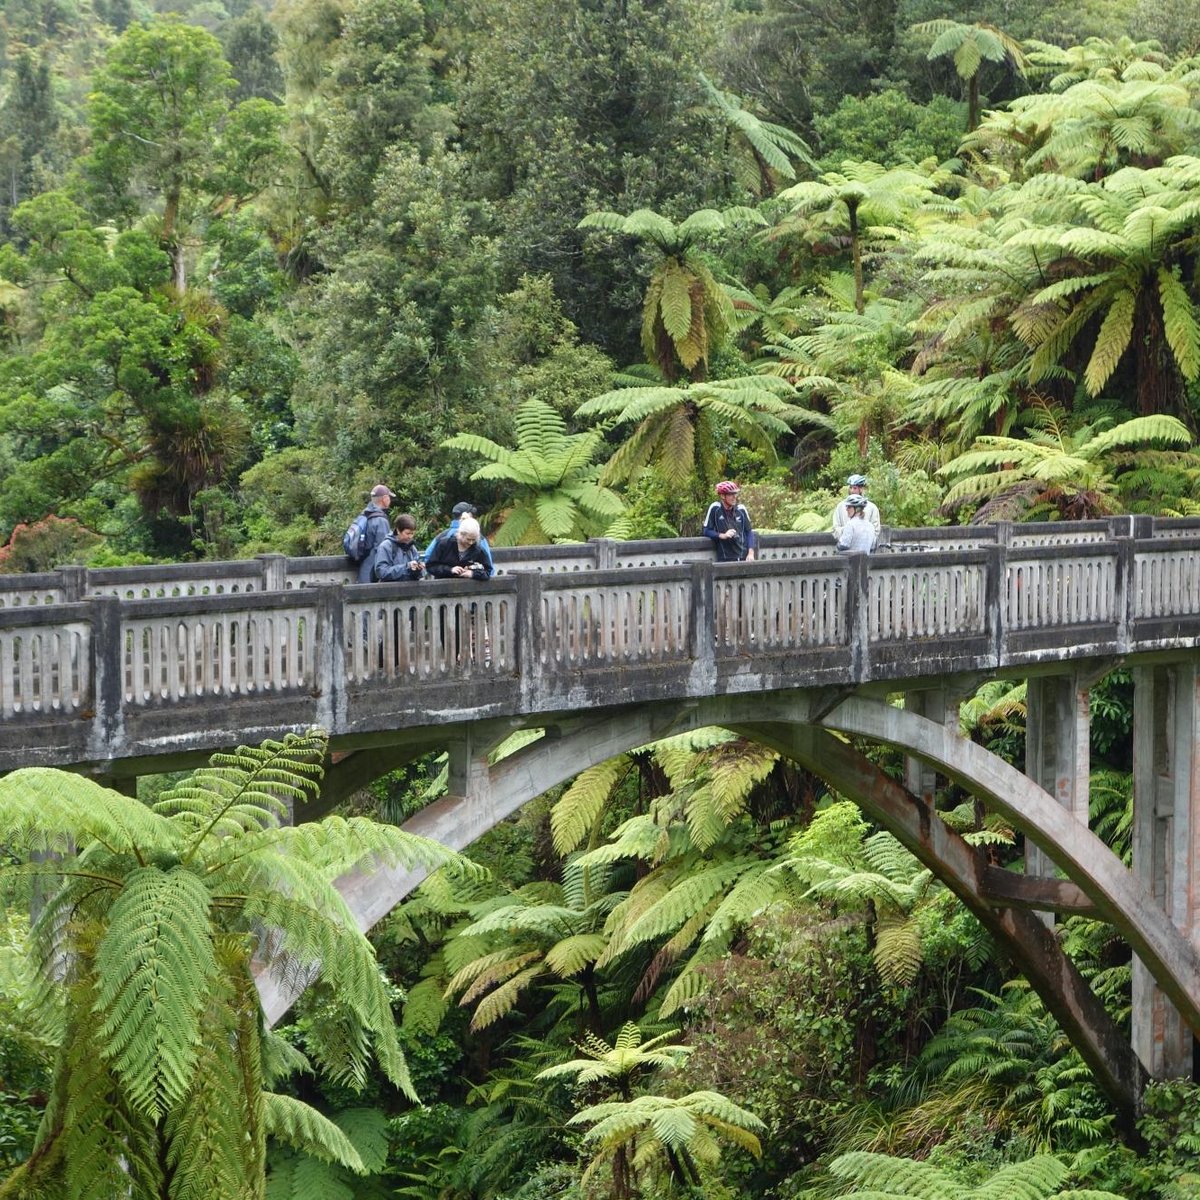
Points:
x=857, y=486
x=857, y=536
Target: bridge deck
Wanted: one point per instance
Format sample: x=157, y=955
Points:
x=153, y=663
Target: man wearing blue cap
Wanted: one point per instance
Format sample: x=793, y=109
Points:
x=857, y=486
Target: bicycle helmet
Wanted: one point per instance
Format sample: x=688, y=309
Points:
x=856, y=502
x=727, y=488
x=857, y=481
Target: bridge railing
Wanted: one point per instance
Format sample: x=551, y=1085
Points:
x=84, y=669
x=276, y=572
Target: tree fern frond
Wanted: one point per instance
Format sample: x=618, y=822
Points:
x=895, y=1177
x=155, y=965
x=502, y=1001
x=249, y=788
x=300, y=1126
x=1111, y=342
x=1180, y=324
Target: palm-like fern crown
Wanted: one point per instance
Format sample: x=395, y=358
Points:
x=159, y=914
x=969, y=46
x=1144, y=115
x=558, y=496
x=774, y=145
x=1111, y=250
x=626, y=1058
x=516, y=941
x=675, y=426
x=1095, y=56
x=1053, y=458
x=879, y=198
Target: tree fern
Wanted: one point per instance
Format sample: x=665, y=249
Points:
x=162, y=1058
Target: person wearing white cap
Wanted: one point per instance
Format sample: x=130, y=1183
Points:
x=856, y=485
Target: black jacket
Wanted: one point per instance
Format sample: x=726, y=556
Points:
x=718, y=520
x=445, y=557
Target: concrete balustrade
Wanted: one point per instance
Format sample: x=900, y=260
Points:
x=276, y=572
x=111, y=677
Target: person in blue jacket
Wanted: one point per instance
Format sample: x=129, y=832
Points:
x=728, y=525
x=378, y=528
x=462, y=509
x=397, y=557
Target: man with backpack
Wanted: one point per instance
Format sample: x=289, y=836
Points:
x=368, y=530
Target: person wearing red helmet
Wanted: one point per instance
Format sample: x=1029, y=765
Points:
x=728, y=525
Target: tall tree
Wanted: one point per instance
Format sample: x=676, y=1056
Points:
x=29, y=117
x=602, y=111
x=155, y=107
x=163, y=121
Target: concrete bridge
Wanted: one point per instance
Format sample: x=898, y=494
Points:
x=608, y=646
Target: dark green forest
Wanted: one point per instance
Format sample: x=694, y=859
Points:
x=576, y=261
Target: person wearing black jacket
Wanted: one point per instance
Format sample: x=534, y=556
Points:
x=458, y=555
x=397, y=558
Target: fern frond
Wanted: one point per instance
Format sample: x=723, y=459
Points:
x=300, y=1126
x=155, y=965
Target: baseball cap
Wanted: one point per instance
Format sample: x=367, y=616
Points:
x=463, y=507
x=382, y=489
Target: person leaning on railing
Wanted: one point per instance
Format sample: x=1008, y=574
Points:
x=397, y=558
x=460, y=556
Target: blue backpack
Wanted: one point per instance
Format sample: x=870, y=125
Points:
x=354, y=540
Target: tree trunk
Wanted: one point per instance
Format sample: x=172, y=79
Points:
x=856, y=255
x=172, y=243
x=973, y=103
x=1159, y=382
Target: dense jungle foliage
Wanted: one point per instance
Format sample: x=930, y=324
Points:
x=576, y=261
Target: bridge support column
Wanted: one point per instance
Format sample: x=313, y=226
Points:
x=1057, y=750
x=468, y=775
x=938, y=704
x=1166, y=844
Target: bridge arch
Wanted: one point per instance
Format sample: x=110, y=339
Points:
x=803, y=725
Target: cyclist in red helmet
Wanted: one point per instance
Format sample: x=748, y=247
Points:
x=728, y=525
